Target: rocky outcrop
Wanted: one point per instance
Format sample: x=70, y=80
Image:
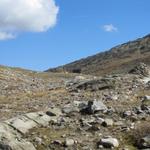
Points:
x=141, y=69
x=92, y=84
x=13, y=130
x=83, y=112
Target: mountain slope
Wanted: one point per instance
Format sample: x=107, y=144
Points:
x=57, y=111
x=119, y=59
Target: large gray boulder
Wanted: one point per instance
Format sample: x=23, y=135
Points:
x=95, y=106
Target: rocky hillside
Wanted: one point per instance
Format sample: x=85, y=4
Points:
x=59, y=111
x=25, y=91
x=62, y=110
x=119, y=59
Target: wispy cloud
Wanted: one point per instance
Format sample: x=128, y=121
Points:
x=26, y=16
x=6, y=36
x=110, y=28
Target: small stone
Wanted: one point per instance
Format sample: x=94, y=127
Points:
x=145, y=108
x=69, y=142
x=100, y=147
x=57, y=142
x=54, y=112
x=63, y=136
x=100, y=120
x=38, y=140
x=147, y=98
x=118, y=123
x=107, y=122
x=127, y=113
x=137, y=110
x=94, y=128
x=45, y=137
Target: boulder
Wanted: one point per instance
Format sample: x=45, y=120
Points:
x=76, y=106
x=80, y=104
x=95, y=106
x=145, y=142
x=109, y=142
x=147, y=98
x=70, y=108
x=4, y=146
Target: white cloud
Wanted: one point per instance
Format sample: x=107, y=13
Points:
x=26, y=16
x=110, y=28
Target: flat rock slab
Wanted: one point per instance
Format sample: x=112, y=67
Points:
x=40, y=118
x=19, y=145
x=8, y=132
x=12, y=130
x=22, y=124
x=10, y=139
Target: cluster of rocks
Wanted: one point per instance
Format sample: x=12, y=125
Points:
x=92, y=84
x=13, y=81
x=100, y=115
x=13, y=130
x=141, y=69
x=93, y=113
x=86, y=119
x=142, y=111
x=93, y=116
x=89, y=107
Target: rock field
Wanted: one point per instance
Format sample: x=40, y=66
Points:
x=66, y=111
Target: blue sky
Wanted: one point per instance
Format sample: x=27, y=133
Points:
x=83, y=28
